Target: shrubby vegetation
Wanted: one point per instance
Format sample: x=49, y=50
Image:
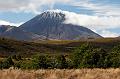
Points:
x=7, y=63
x=84, y=56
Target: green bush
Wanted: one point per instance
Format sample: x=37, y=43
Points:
x=114, y=57
x=7, y=63
x=61, y=62
x=86, y=56
x=1, y=64
x=39, y=61
x=78, y=54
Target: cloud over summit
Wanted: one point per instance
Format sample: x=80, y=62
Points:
x=91, y=21
x=96, y=23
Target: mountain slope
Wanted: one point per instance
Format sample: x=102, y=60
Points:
x=51, y=25
x=4, y=28
x=17, y=33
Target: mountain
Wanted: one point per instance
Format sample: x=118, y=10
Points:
x=50, y=24
x=4, y=28
x=16, y=33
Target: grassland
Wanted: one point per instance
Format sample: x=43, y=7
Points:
x=61, y=74
x=11, y=47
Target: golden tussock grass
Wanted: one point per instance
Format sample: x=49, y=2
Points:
x=60, y=74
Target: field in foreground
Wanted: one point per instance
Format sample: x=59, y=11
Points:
x=61, y=74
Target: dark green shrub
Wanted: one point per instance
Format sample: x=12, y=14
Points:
x=61, y=62
x=78, y=54
x=18, y=57
x=86, y=56
x=7, y=63
x=18, y=64
x=26, y=65
x=39, y=61
x=114, y=57
x=14, y=57
x=1, y=64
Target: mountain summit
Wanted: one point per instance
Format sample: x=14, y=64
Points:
x=50, y=24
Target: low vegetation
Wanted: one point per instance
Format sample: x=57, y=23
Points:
x=84, y=56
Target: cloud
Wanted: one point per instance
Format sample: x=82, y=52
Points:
x=106, y=33
x=34, y=6
x=92, y=22
x=99, y=24
x=99, y=8
x=2, y=22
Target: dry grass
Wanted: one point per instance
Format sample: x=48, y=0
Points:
x=60, y=74
x=57, y=42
